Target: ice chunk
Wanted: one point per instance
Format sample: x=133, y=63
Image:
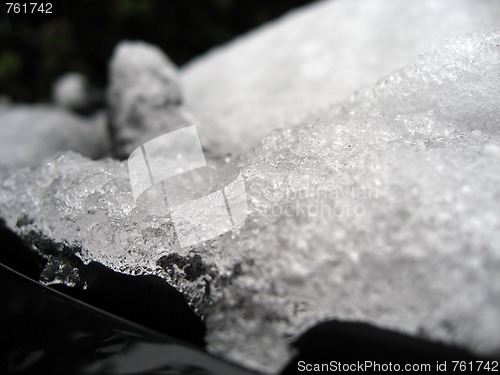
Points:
x=314, y=57
x=57, y=271
x=144, y=97
x=384, y=210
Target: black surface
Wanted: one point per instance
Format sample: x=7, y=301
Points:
x=47, y=332
x=350, y=342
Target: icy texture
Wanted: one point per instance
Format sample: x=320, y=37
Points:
x=276, y=76
x=391, y=211
x=144, y=96
x=383, y=210
x=29, y=134
x=58, y=271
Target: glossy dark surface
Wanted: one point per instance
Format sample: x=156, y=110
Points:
x=47, y=332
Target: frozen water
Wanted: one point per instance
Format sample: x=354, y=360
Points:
x=58, y=271
x=29, y=134
x=385, y=209
x=144, y=96
x=314, y=57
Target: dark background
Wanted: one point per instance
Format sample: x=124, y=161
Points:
x=83, y=37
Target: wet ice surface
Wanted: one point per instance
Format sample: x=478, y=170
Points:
x=385, y=209
x=314, y=57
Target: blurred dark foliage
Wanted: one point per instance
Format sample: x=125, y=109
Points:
x=83, y=38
